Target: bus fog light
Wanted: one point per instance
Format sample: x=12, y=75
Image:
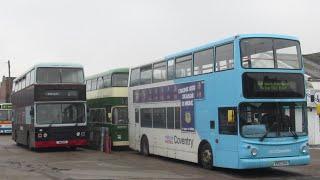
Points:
x=45, y=135
x=254, y=151
x=78, y=134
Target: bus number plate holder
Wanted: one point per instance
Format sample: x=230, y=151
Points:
x=280, y=163
x=62, y=142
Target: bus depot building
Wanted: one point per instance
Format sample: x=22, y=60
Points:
x=312, y=66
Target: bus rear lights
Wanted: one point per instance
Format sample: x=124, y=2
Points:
x=254, y=151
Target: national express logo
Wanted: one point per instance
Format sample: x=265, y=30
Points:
x=178, y=140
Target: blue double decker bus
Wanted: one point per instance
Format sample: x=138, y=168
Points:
x=235, y=103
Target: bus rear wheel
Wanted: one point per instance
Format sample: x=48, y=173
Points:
x=206, y=156
x=144, y=146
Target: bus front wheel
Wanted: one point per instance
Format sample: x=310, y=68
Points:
x=206, y=156
x=144, y=146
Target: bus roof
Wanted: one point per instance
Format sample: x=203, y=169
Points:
x=220, y=42
x=111, y=71
x=52, y=64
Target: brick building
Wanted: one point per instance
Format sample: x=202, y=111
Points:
x=5, y=89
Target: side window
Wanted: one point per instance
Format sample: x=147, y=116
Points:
x=97, y=115
x=32, y=76
x=171, y=71
x=159, y=117
x=183, y=66
x=13, y=87
x=107, y=81
x=146, y=75
x=228, y=120
x=18, y=85
x=203, y=62
x=146, y=117
x=177, y=118
x=136, y=115
x=28, y=79
x=224, y=57
x=159, y=72
x=93, y=84
x=170, y=117
x=100, y=83
x=23, y=82
x=135, y=77
x=88, y=85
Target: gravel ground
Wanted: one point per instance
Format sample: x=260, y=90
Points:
x=19, y=163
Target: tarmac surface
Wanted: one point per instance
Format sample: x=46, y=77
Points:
x=17, y=162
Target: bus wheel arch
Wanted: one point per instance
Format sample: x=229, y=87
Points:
x=205, y=155
x=144, y=145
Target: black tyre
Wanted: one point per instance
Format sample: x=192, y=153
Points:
x=206, y=156
x=144, y=146
x=16, y=138
x=29, y=143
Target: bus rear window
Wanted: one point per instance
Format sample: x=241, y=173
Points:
x=270, y=53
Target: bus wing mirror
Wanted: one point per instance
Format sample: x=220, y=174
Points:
x=231, y=117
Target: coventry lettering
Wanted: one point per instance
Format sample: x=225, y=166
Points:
x=185, y=141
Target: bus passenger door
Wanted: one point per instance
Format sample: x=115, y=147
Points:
x=136, y=128
x=226, y=142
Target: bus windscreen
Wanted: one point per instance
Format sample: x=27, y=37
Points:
x=57, y=113
x=4, y=115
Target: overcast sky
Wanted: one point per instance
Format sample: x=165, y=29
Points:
x=106, y=34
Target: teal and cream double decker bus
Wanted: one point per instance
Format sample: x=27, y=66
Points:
x=107, y=97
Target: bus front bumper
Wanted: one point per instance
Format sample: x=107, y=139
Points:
x=274, y=162
x=64, y=143
x=5, y=131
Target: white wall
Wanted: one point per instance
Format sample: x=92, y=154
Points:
x=313, y=127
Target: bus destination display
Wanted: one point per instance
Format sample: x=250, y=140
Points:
x=270, y=85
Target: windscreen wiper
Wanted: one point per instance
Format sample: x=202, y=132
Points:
x=264, y=136
x=294, y=134
x=267, y=132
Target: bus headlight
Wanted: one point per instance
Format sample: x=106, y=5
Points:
x=39, y=135
x=45, y=135
x=305, y=149
x=78, y=133
x=254, y=151
x=83, y=133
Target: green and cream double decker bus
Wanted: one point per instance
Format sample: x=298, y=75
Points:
x=107, y=98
